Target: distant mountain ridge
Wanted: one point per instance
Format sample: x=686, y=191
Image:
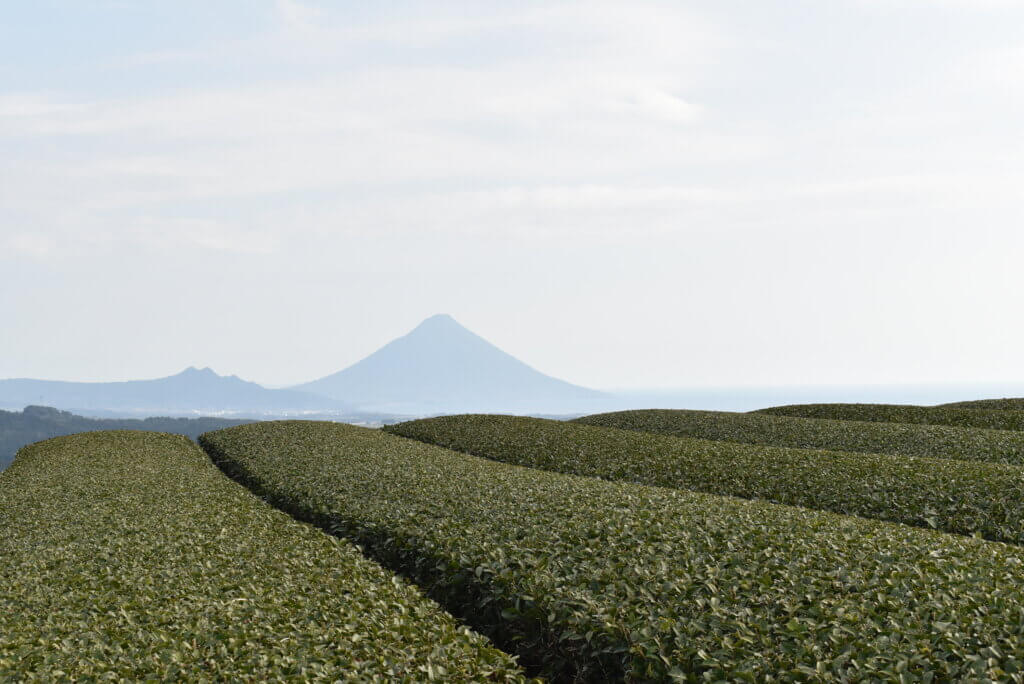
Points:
x=193, y=390
x=442, y=367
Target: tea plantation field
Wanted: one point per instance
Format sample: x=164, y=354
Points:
x=815, y=543
x=127, y=556
x=590, y=579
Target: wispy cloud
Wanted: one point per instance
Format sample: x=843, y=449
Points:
x=418, y=118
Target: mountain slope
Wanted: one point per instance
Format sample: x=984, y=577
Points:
x=190, y=391
x=441, y=366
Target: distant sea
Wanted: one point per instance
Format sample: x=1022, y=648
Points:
x=751, y=398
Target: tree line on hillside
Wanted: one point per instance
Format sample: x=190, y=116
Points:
x=37, y=423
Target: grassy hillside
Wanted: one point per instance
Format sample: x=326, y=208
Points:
x=929, y=441
x=128, y=556
x=37, y=423
x=953, y=496
x=989, y=419
x=988, y=404
x=607, y=580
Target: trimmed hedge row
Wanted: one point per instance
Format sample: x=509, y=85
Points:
x=927, y=441
x=989, y=419
x=954, y=496
x=989, y=404
x=607, y=580
x=128, y=556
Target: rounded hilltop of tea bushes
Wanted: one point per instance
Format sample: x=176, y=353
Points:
x=127, y=556
x=988, y=404
x=960, y=497
x=989, y=419
x=926, y=441
x=597, y=580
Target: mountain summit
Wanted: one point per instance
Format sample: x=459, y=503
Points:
x=442, y=367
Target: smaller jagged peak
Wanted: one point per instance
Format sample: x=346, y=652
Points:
x=192, y=371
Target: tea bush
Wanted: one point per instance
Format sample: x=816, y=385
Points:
x=127, y=556
x=990, y=419
x=602, y=580
x=929, y=441
x=994, y=404
x=954, y=496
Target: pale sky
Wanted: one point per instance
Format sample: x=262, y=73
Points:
x=621, y=194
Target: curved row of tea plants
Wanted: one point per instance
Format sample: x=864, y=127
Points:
x=954, y=496
x=989, y=419
x=927, y=441
x=608, y=580
x=988, y=404
x=129, y=556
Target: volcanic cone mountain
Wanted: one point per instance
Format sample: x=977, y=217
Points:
x=442, y=367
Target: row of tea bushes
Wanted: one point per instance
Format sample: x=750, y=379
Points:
x=988, y=404
x=128, y=556
x=989, y=419
x=962, y=497
x=928, y=441
x=604, y=580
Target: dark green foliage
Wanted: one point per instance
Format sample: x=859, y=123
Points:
x=898, y=413
x=929, y=441
x=609, y=580
x=127, y=556
x=37, y=423
x=988, y=404
x=954, y=496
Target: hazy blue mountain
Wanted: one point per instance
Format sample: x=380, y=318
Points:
x=190, y=391
x=442, y=367
x=35, y=423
